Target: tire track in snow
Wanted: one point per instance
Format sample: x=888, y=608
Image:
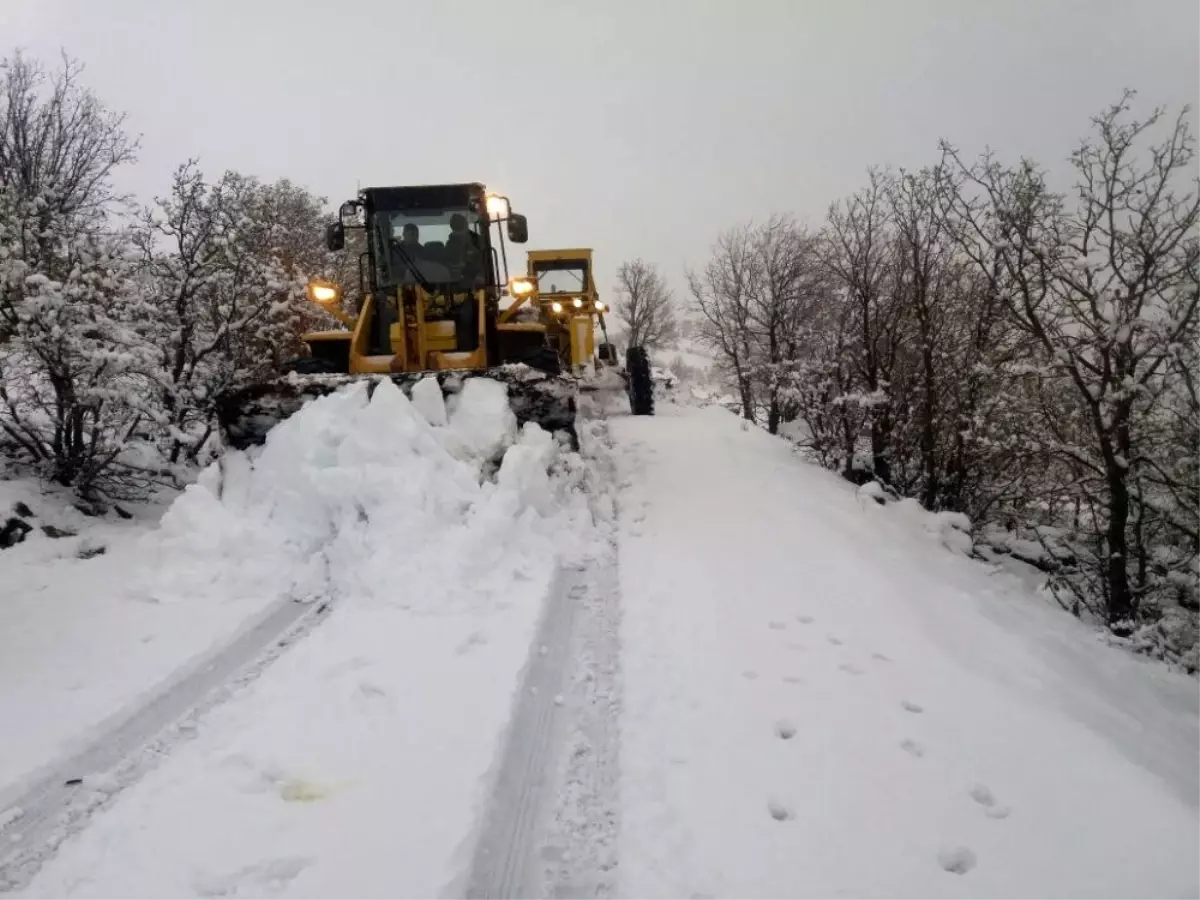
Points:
x=503, y=860
x=38, y=818
x=580, y=855
x=549, y=828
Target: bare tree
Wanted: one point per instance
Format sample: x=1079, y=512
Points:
x=858, y=253
x=780, y=294
x=723, y=293
x=646, y=308
x=755, y=296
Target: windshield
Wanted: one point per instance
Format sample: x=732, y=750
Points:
x=445, y=247
x=561, y=276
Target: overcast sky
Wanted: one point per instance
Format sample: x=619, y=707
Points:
x=637, y=128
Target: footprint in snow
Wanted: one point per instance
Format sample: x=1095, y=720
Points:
x=779, y=810
x=371, y=691
x=881, y=657
x=474, y=639
x=983, y=795
x=750, y=675
x=912, y=748
x=835, y=640
x=852, y=668
x=911, y=707
x=960, y=860
x=793, y=679
x=777, y=626
x=805, y=620
x=785, y=730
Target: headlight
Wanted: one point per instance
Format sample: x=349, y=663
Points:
x=556, y=306
x=323, y=293
x=520, y=287
x=497, y=207
x=600, y=307
x=578, y=303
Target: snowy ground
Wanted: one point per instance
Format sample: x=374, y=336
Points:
x=760, y=684
x=85, y=635
x=822, y=699
x=357, y=762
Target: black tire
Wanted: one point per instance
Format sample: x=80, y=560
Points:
x=310, y=365
x=641, y=387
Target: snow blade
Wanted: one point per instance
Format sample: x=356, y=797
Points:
x=246, y=414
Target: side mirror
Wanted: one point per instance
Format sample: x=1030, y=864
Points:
x=518, y=228
x=335, y=236
x=350, y=213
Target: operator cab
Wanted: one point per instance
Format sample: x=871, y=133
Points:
x=560, y=276
x=435, y=237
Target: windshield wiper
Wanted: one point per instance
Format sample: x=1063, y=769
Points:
x=412, y=267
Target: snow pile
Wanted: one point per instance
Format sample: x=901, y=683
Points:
x=480, y=418
x=873, y=490
x=427, y=398
x=339, y=490
x=952, y=530
x=300, y=515
x=384, y=721
x=1044, y=547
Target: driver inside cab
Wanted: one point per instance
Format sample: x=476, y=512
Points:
x=409, y=247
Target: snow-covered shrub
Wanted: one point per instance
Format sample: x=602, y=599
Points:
x=71, y=362
x=222, y=271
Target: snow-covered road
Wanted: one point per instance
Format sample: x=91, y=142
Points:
x=821, y=700
x=684, y=664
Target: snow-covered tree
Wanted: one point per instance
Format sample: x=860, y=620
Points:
x=118, y=330
x=1107, y=286
x=763, y=284
x=223, y=268
x=69, y=360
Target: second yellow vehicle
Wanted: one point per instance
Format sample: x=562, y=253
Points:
x=558, y=295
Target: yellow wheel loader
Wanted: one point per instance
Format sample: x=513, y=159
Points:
x=558, y=295
x=432, y=277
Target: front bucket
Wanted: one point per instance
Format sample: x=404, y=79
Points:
x=245, y=415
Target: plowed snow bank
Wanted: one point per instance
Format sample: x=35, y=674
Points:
x=358, y=761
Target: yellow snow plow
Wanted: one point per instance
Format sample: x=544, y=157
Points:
x=558, y=295
x=432, y=276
